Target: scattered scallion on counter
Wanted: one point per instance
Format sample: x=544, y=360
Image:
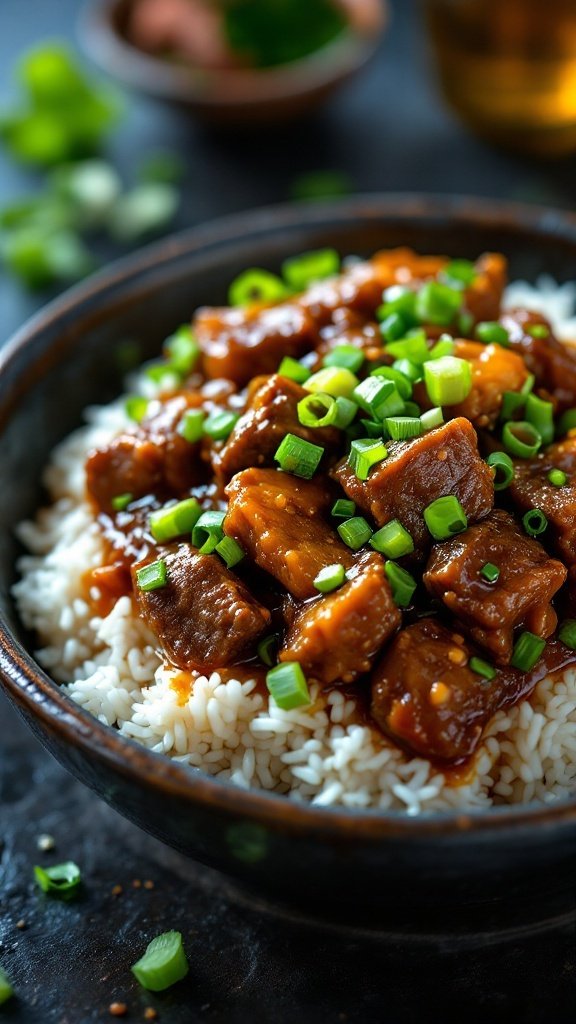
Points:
x=392, y=540
x=534, y=522
x=288, y=686
x=445, y=517
x=330, y=578
x=299, y=457
x=61, y=880
x=174, y=520
x=527, y=651
x=355, y=532
x=152, y=576
x=163, y=964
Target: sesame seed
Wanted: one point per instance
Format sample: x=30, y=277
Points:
x=457, y=656
x=439, y=693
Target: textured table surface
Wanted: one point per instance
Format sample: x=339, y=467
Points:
x=389, y=131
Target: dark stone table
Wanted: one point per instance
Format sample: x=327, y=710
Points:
x=69, y=961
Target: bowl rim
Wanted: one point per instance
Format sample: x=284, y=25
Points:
x=234, y=88
x=40, y=697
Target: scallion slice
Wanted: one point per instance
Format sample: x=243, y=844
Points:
x=444, y=347
x=230, y=551
x=343, y=508
x=294, y=370
x=6, y=990
x=372, y=393
x=152, y=576
x=219, y=425
x=299, y=457
x=208, y=531
x=121, y=501
x=402, y=382
x=541, y=415
x=355, y=532
x=392, y=540
x=401, y=428
x=448, y=380
x=347, y=356
x=490, y=572
x=256, y=285
x=334, y=380
x=174, y=520
x=136, y=407
x=521, y=439
x=492, y=333
x=402, y=583
x=182, y=351
x=432, y=418
x=482, y=668
x=527, y=651
x=61, y=880
x=365, y=453
x=317, y=410
x=345, y=412
x=191, y=426
x=567, y=633
x=373, y=428
x=412, y=409
x=267, y=649
x=445, y=517
x=566, y=422
x=512, y=402
x=534, y=522
x=459, y=273
x=413, y=347
x=330, y=578
x=412, y=371
x=287, y=685
x=399, y=299
x=438, y=303
x=503, y=469
x=163, y=964
x=557, y=477
x=393, y=327
x=538, y=331
x=301, y=271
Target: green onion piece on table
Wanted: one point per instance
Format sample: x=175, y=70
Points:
x=152, y=576
x=392, y=540
x=301, y=271
x=527, y=651
x=163, y=964
x=299, y=457
x=174, y=520
x=287, y=685
x=355, y=532
x=503, y=468
x=521, y=439
x=534, y=522
x=330, y=578
x=230, y=551
x=208, y=531
x=61, y=880
x=445, y=517
x=294, y=370
x=448, y=380
x=402, y=583
x=256, y=285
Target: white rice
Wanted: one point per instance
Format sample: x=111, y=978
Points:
x=113, y=668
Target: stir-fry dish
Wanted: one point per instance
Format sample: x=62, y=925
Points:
x=366, y=482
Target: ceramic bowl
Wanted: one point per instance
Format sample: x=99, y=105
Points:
x=490, y=870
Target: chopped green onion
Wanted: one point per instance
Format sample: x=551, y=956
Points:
x=345, y=412
x=121, y=501
x=143, y=210
x=432, y=418
x=465, y=323
x=294, y=370
x=191, y=426
x=267, y=649
x=373, y=428
x=161, y=373
x=343, y=508
x=163, y=964
x=512, y=402
x=402, y=382
x=152, y=576
x=287, y=685
x=538, y=331
x=393, y=327
x=399, y=299
x=491, y=333
x=534, y=522
x=136, y=407
x=412, y=347
x=503, y=469
x=256, y=285
x=482, y=668
x=402, y=583
x=230, y=551
x=334, y=380
x=521, y=439
x=330, y=578
x=208, y=531
x=317, y=410
x=392, y=540
x=393, y=405
x=366, y=453
x=174, y=520
x=527, y=651
x=445, y=517
x=412, y=371
x=6, y=990
x=541, y=415
x=444, y=347
x=557, y=477
x=490, y=572
x=347, y=356
x=459, y=273
x=412, y=409
x=567, y=422
x=321, y=185
x=401, y=428
x=301, y=271
x=60, y=880
x=528, y=384
x=297, y=456
x=567, y=633
x=183, y=351
x=355, y=532
x=219, y=425
x=448, y=380
x=438, y=303
x=372, y=393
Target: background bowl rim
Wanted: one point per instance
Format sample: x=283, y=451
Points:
x=30, y=687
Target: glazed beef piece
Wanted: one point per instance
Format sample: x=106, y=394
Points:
x=494, y=370
x=336, y=637
x=278, y=520
x=552, y=363
x=416, y=472
x=532, y=489
x=483, y=298
x=204, y=617
x=271, y=414
x=521, y=596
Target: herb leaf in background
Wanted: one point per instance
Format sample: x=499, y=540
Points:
x=270, y=32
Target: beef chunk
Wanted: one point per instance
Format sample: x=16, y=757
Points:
x=416, y=472
x=272, y=413
x=204, y=617
x=277, y=519
x=494, y=370
x=484, y=295
x=532, y=489
x=336, y=638
x=552, y=363
x=521, y=596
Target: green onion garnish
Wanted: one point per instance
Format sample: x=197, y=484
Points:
x=541, y=415
x=538, y=331
x=399, y=299
x=330, y=578
x=444, y=347
x=317, y=410
x=412, y=371
x=482, y=668
x=567, y=422
x=527, y=651
x=437, y=303
x=297, y=456
x=521, y=439
x=267, y=649
x=208, y=531
x=412, y=409
x=448, y=380
x=465, y=323
x=287, y=685
x=219, y=425
x=343, y=508
x=355, y=532
x=491, y=333
x=459, y=273
x=191, y=426
x=136, y=407
x=334, y=380
x=365, y=453
x=512, y=402
x=557, y=477
x=61, y=880
x=503, y=469
x=152, y=576
x=256, y=285
x=402, y=583
x=401, y=428
x=490, y=572
x=182, y=351
x=528, y=384
x=534, y=522
x=392, y=540
x=347, y=356
x=432, y=418
x=393, y=327
x=121, y=501
x=445, y=517
x=567, y=633
x=345, y=412
x=301, y=271
x=402, y=382
x=174, y=520
x=230, y=551
x=372, y=393
x=413, y=347
x=294, y=370
x=163, y=964
x=372, y=428
x=6, y=990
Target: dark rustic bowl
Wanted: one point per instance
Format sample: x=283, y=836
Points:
x=232, y=97
x=495, y=870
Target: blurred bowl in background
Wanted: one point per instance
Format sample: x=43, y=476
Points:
x=234, y=97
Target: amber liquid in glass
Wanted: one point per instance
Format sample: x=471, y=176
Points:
x=509, y=68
